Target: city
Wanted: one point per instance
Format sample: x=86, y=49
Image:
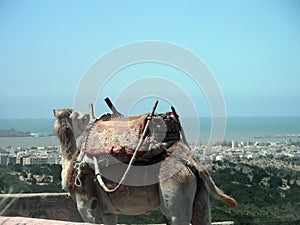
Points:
x=226, y=150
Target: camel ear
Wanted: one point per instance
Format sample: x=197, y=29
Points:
x=54, y=112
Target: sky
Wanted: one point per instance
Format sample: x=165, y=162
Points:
x=252, y=49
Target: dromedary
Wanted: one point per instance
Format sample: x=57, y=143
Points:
x=181, y=198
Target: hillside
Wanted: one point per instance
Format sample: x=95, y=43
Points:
x=267, y=193
x=267, y=190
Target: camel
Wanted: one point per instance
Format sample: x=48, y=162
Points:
x=182, y=198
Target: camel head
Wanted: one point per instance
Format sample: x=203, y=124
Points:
x=64, y=130
x=69, y=125
x=75, y=120
x=63, y=121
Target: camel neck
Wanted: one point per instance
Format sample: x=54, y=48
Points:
x=67, y=142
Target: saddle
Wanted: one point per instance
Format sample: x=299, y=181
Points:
x=113, y=138
x=119, y=136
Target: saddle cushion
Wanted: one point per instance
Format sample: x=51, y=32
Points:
x=120, y=136
x=115, y=136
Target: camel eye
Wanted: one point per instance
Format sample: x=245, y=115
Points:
x=69, y=113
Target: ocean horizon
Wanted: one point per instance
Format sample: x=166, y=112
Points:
x=197, y=130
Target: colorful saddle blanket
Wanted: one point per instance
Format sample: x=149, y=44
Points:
x=120, y=136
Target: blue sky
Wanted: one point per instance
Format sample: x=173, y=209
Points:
x=251, y=47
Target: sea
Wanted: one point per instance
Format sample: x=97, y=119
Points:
x=197, y=130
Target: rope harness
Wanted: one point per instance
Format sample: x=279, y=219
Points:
x=97, y=171
x=91, y=145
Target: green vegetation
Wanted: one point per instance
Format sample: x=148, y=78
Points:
x=265, y=194
x=30, y=178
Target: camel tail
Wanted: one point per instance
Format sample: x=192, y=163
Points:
x=210, y=185
x=216, y=192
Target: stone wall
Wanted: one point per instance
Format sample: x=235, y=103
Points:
x=57, y=206
x=6, y=220
x=26, y=208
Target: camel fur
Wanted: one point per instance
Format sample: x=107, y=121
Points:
x=182, y=198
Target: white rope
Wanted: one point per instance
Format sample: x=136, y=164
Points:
x=97, y=170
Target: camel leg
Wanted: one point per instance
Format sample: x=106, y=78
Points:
x=201, y=208
x=86, y=206
x=109, y=219
x=177, y=200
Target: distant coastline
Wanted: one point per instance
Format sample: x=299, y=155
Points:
x=197, y=130
x=15, y=133
x=278, y=136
